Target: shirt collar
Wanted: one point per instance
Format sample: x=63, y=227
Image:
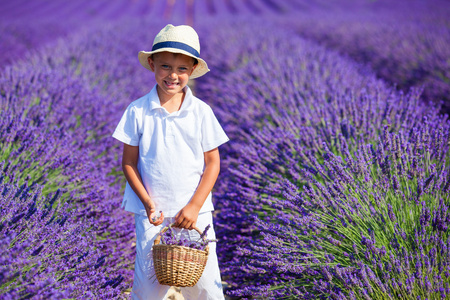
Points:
x=186, y=106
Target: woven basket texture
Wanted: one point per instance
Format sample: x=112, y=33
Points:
x=178, y=265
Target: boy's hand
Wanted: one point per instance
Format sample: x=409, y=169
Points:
x=152, y=216
x=187, y=217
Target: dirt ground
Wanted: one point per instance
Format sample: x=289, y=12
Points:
x=175, y=294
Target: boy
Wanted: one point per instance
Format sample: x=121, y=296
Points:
x=170, y=159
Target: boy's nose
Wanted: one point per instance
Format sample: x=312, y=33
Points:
x=173, y=75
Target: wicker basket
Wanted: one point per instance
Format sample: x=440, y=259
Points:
x=178, y=265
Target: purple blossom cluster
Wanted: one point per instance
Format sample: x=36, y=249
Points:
x=173, y=236
x=337, y=186
x=48, y=252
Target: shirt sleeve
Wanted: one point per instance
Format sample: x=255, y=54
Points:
x=213, y=134
x=127, y=131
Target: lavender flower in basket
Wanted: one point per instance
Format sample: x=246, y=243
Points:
x=170, y=237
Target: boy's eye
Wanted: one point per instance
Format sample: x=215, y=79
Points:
x=165, y=66
x=183, y=69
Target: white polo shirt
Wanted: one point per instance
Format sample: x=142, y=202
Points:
x=171, y=150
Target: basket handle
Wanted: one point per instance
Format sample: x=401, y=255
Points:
x=158, y=238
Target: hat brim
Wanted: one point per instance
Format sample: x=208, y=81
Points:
x=200, y=70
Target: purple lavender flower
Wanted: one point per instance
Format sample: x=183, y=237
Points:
x=298, y=181
x=322, y=211
x=175, y=237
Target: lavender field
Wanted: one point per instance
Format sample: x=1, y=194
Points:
x=336, y=181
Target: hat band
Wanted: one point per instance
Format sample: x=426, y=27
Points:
x=176, y=45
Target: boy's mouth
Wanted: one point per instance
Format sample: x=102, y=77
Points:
x=171, y=84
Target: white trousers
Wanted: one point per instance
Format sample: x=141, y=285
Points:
x=145, y=284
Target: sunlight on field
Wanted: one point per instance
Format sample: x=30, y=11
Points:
x=335, y=183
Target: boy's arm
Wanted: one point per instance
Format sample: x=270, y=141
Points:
x=129, y=166
x=187, y=217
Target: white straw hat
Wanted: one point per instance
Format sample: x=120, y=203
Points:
x=177, y=39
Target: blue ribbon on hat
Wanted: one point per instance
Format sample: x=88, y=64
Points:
x=176, y=45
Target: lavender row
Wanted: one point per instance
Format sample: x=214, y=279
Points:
x=326, y=165
x=165, y=10
x=47, y=251
x=406, y=42
x=56, y=129
x=41, y=145
x=116, y=76
x=367, y=225
x=28, y=26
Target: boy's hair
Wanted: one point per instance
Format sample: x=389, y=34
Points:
x=176, y=54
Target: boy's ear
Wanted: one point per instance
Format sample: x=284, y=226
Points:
x=151, y=63
x=193, y=68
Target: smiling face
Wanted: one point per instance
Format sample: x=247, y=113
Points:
x=172, y=71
